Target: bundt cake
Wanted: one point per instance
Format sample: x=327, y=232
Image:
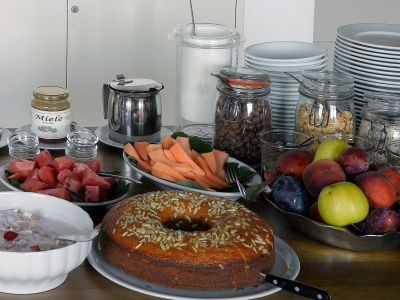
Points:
x=187, y=240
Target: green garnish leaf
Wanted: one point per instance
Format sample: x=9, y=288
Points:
x=13, y=182
x=190, y=183
x=199, y=145
x=244, y=174
x=119, y=188
x=178, y=133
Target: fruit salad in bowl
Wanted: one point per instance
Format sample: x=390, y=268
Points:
x=337, y=196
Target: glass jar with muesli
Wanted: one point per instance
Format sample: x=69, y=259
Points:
x=326, y=104
x=242, y=110
x=380, y=125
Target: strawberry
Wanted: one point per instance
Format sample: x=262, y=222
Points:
x=35, y=248
x=10, y=235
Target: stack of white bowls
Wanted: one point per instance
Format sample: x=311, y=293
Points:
x=276, y=58
x=371, y=54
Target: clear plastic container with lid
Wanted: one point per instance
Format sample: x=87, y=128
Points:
x=201, y=50
x=51, y=117
x=242, y=110
x=380, y=124
x=325, y=104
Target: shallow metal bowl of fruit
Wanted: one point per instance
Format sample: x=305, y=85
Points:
x=340, y=237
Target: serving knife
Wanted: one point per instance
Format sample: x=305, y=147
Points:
x=296, y=287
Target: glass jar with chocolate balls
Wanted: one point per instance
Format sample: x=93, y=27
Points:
x=242, y=110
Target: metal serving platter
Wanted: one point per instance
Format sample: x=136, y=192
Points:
x=337, y=236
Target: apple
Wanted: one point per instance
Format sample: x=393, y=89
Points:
x=342, y=204
x=330, y=148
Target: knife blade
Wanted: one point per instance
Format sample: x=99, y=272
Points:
x=296, y=287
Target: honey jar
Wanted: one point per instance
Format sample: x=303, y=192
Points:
x=51, y=117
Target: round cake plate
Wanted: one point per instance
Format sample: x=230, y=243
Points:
x=102, y=134
x=286, y=265
x=5, y=133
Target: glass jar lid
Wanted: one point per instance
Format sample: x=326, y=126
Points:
x=245, y=77
x=327, y=85
x=383, y=108
x=50, y=93
x=206, y=36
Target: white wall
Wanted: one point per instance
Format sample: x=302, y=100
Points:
x=329, y=15
x=32, y=53
x=278, y=20
x=105, y=37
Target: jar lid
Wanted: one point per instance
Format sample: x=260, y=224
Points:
x=206, y=36
x=327, y=84
x=381, y=107
x=50, y=93
x=137, y=85
x=245, y=77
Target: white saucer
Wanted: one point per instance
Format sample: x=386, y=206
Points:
x=102, y=134
x=5, y=133
x=287, y=265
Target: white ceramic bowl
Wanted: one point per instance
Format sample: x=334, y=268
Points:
x=34, y=272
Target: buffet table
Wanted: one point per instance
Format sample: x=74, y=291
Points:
x=345, y=274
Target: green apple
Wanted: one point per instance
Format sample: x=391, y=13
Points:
x=342, y=204
x=330, y=148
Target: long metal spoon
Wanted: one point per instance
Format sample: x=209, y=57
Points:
x=112, y=174
x=82, y=236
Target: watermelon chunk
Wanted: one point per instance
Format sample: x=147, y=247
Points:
x=92, y=179
x=64, y=174
x=48, y=175
x=93, y=164
x=34, y=174
x=33, y=185
x=57, y=192
x=44, y=159
x=73, y=184
x=24, y=167
x=81, y=169
x=92, y=193
x=16, y=176
x=64, y=162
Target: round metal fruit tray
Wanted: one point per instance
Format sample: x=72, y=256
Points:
x=337, y=236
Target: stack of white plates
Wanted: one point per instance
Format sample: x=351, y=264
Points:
x=371, y=54
x=276, y=58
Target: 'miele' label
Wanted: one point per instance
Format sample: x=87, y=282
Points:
x=51, y=124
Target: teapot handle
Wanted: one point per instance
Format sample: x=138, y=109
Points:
x=106, y=95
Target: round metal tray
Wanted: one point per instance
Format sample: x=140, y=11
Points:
x=339, y=237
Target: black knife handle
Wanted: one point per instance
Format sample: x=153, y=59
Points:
x=298, y=288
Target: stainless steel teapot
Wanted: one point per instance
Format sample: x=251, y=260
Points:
x=133, y=109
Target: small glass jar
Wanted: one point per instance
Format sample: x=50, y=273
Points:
x=275, y=142
x=81, y=145
x=326, y=104
x=51, y=117
x=23, y=144
x=242, y=110
x=380, y=124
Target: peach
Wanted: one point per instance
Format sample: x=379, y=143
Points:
x=394, y=176
x=293, y=162
x=378, y=189
x=321, y=173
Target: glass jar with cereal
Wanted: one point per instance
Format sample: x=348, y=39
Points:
x=326, y=104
